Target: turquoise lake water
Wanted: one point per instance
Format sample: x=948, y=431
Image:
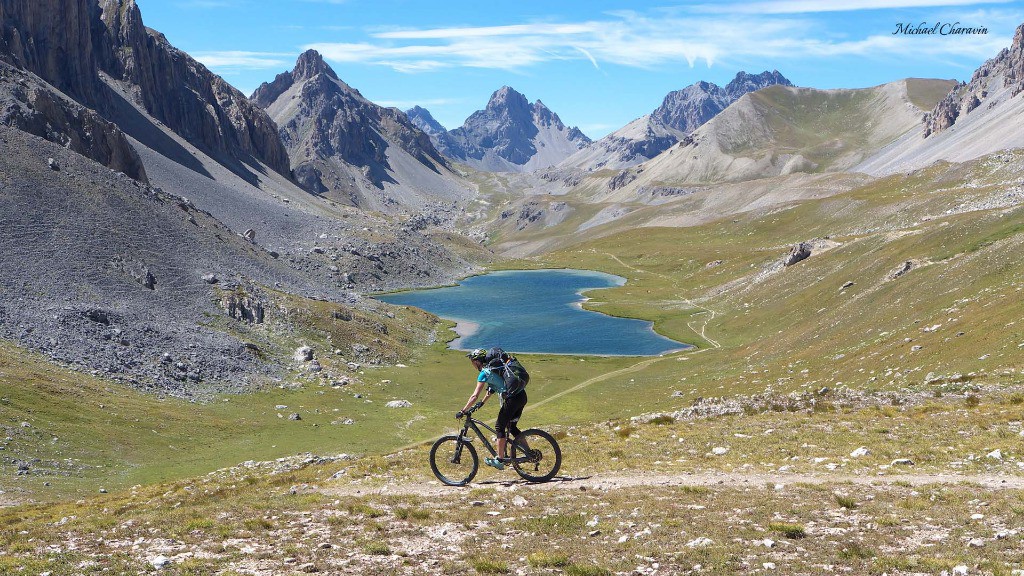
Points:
x=537, y=311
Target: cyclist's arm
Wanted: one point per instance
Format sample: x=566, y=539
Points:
x=476, y=394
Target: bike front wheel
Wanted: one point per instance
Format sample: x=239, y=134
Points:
x=536, y=455
x=453, y=460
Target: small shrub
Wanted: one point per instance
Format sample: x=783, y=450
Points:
x=545, y=560
x=625, y=431
x=360, y=509
x=846, y=502
x=555, y=524
x=1016, y=399
x=972, y=401
x=824, y=407
x=662, y=420
x=377, y=548
x=412, y=513
x=788, y=530
x=336, y=521
x=854, y=549
x=488, y=566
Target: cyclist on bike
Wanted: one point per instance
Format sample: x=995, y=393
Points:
x=513, y=399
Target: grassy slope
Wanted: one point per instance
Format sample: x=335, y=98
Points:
x=275, y=518
x=968, y=280
x=794, y=330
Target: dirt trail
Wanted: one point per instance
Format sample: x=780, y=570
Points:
x=686, y=301
x=627, y=370
x=710, y=480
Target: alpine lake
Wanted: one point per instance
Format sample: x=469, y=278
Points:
x=536, y=311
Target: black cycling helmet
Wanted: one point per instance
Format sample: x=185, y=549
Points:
x=477, y=354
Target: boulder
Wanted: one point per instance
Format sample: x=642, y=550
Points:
x=798, y=253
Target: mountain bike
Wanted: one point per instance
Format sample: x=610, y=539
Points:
x=453, y=458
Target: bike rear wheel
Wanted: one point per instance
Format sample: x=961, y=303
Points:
x=454, y=461
x=536, y=455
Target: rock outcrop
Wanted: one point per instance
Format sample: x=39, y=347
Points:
x=1006, y=69
x=183, y=94
x=511, y=135
x=29, y=105
x=680, y=113
x=98, y=52
x=350, y=149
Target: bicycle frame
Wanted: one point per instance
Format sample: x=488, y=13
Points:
x=475, y=425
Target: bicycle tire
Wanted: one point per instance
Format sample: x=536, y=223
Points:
x=447, y=447
x=541, y=448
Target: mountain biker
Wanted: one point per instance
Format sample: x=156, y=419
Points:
x=512, y=401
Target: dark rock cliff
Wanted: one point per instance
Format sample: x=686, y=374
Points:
x=965, y=97
x=31, y=106
x=183, y=94
x=35, y=45
x=71, y=43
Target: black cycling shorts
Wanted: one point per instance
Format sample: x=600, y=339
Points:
x=508, y=416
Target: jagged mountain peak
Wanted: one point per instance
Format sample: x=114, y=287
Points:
x=744, y=82
x=511, y=134
x=508, y=99
x=680, y=113
x=425, y=121
x=309, y=64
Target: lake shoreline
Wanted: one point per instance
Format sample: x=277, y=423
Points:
x=463, y=329
x=539, y=312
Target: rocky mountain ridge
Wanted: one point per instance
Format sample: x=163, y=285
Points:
x=351, y=150
x=1008, y=65
x=680, y=113
x=422, y=118
x=509, y=135
x=100, y=51
x=154, y=234
x=975, y=118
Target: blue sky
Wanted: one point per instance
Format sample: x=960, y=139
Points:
x=598, y=64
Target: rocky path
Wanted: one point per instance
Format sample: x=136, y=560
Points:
x=607, y=482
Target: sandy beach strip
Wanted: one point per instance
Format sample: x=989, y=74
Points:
x=464, y=329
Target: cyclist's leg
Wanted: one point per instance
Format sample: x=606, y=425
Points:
x=516, y=404
x=501, y=428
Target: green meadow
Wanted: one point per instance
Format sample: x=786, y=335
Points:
x=845, y=318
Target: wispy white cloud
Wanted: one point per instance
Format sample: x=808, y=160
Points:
x=589, y=57
x=490, y=31
x=628, y=38
x=235, y=59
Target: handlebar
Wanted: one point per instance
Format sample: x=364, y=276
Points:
x=471, y=409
